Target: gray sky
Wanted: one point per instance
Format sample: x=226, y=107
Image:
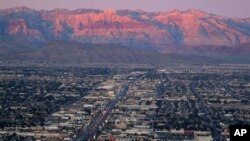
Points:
x=231, y=8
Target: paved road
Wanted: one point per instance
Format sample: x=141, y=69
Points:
x=38, y=134
x=204, y=109
x=65, y=105
x=100, y=119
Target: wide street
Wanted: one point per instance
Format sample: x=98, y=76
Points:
x=99, y=120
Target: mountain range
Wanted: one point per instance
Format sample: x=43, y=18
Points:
x=28, y=33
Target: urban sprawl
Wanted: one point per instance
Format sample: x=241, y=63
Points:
x=175, y=103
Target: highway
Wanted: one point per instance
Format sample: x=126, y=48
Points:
x=97, y=121
x=204, y=109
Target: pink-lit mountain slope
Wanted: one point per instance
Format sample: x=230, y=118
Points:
x=190, y=32
x=132, y=28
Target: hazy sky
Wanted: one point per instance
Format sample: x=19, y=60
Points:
x=232, y=8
